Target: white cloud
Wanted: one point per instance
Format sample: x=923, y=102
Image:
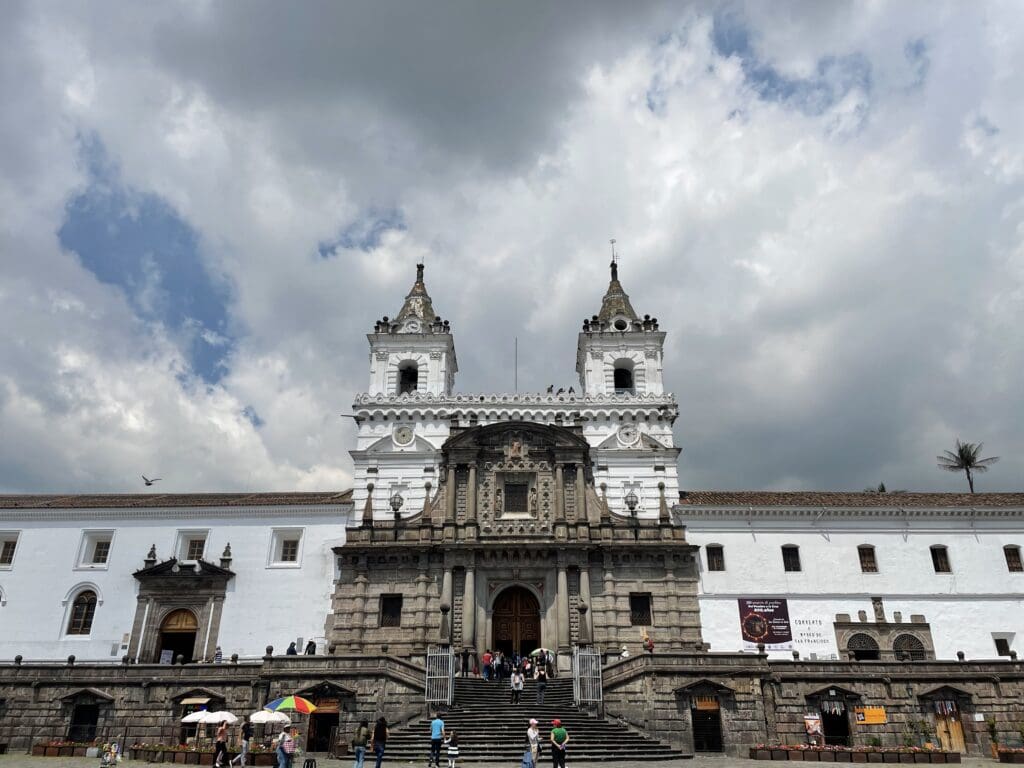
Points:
x=842, y=287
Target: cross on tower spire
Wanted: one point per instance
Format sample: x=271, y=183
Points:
x=615, y=261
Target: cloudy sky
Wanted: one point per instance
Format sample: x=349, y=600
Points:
x=204, y=207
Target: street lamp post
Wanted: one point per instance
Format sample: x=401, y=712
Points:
x=631, y=503
x=396, y=506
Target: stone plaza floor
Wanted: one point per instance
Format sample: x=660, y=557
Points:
x=702, y=761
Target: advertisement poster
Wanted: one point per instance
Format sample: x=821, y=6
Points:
x=812, y=725
x=166, y=657
x=870, y=715
x=765, y=620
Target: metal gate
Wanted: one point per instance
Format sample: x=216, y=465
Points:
x=440, y=674
x=586, y=675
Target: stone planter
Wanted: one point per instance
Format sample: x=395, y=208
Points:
x=79, y=751
x=796, y=754
x=780, y=754
x=827, y=757
x=952, y=757
x=906, y=757
x=844, y=757
x=264, y=759
x=67, y=752
x=860, y=757
x=51, y=751
x=812, y=756
x=938, y=757
x=192, y=758
x=763, y=754
x=1018, y=757
x=922, y=757
x=876, y=757
x=890, y=757
x=179, y=757
x=38, y=750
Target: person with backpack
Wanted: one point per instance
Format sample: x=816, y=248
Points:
x=246, y=738
x=359, y=741
x=559, y=739
x=380, y=739
x=517, y=686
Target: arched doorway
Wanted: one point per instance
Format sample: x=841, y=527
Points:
x=516, y=621
x=177, y=636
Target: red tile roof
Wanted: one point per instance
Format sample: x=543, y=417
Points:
x=841, y=499
x=121, y=501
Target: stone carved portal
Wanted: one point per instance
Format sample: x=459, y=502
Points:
x=528, y=477
x=516, y=621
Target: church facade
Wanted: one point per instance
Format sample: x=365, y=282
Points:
x=518, y=521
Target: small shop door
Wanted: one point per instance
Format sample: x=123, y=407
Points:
x=321, y=726
x=835, y=723
x=950, y=731
x=706, y=716
x=84, y=718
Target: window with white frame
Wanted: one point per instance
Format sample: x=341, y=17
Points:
x=8, y=546
x=94, y=553
x=286, y=548
x=192, y=545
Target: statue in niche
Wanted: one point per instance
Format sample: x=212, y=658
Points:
x=533, y=501
x=497, y=501
x=515, y=449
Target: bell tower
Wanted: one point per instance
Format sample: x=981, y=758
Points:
x=617, y=352
x=414, y=352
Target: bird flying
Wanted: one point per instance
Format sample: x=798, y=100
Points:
x=147, y=481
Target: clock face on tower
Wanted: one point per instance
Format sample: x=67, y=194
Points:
x=628, y=434
x=403, y=435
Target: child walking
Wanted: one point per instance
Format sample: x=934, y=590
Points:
x=451, y=743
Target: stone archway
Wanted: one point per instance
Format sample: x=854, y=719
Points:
x=515, y=621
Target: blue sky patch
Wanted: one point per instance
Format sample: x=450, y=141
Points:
x=364, y=233
x=833, y=78
x=138, y=243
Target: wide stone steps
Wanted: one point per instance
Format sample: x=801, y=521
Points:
x=492, y=729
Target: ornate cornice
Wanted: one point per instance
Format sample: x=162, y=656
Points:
x=336, y=512
x=523, y=406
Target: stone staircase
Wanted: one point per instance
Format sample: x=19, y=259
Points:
x=493, y=730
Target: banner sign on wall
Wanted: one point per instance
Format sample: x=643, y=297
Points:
x=765, y=620
x=870, y=715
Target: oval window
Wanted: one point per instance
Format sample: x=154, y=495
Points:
x=620, y=325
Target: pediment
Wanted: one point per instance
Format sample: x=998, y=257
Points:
x=704, y=685
x=834, y=692
x=945, y=692
x=87, y=693
x=197, y=693
x=326, y=689
x=497, y=436
x=386, y=445
x=173, y=569
x=645, y=443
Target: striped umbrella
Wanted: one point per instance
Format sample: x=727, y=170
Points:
x=291, y=704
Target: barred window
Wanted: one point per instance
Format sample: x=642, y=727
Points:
x=7, y=551
x=908, y=648
x=716, y=557
x=791, y=557
x=640, y=610
x=391, y=610
x=868, y=564
x=517, y=497
x=82, y=611
x=1013, y=562
x=863, y=647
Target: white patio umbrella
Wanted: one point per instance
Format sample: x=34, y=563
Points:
x=195, y=717
x=218, y=717
x=264, y=716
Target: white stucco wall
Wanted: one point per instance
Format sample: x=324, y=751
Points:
x=964, y=608
x=265, y=604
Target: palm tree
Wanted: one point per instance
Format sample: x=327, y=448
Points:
x=965, y=458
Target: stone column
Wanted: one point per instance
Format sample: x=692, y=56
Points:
x=471, y=495
x=449, y=516
x=559, y=494
x=581, y=496
x=585, y=598
x=469, y=608
x=562, y=608
x=422, y=580
x=446, y=587
x=358, y=614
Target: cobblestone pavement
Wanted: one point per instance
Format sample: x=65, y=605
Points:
x=26, y=761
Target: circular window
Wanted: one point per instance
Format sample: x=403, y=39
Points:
x=621, y=325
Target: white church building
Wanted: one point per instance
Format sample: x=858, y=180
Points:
x=820, y=575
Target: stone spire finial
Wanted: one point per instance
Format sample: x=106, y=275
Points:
x=417, y=307
x=615, y=302
x=225, y=557
x=368, y=508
